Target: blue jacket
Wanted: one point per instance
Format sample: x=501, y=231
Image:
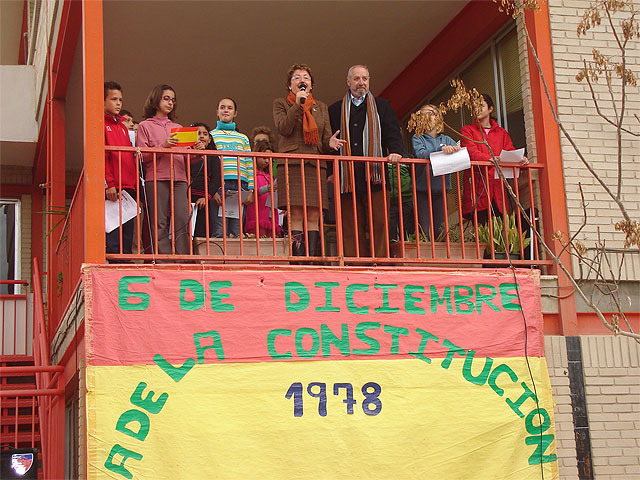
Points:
x=423, y=146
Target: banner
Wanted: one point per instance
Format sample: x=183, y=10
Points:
x=327, y=374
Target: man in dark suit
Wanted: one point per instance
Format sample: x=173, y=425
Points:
x=370, y=127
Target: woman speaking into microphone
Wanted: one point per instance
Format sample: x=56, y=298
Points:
x=304, y=127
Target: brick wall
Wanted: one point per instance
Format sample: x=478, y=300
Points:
x=14, y=174
x=612, y=385
x=595, y=138
x=556, y=353
x=612, y=382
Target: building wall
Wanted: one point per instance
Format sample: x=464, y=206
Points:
x=595, y=138
x=13, y=174
x=612, y=385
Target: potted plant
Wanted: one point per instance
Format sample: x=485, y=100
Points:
x=499, y=243
x=439, y=245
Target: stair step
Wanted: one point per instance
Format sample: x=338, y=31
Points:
x=22, y=420
x=23, y=437
x=22, y=402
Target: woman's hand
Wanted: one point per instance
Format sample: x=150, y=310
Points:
x=301, y=94
x=217, y=199
x=200, y=203
x=335, y=142
x=172, y=141
x=524, y=161
x=449, y=149
x=199, y=145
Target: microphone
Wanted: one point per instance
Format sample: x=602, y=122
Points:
x=303, y=87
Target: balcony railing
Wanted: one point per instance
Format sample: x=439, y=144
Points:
x=459, y=245
x=16, y=322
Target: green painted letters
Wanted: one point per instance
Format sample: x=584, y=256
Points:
x=176, y=373
x=315, y=346
x=410, y=301
x=385, y=308
x=437, y=300
x=217, y=297
x=464, y=299
x=328, y=306
x=134, y=416
x=351, y=306
x=124, y=294
x=216, y=345
x=395, y=336
x=198, y=291
x=507, y=297
x=361, y=328
x=119, y=468
x=329, y=338
x=301, y=291
x=481, y=378
x=147, y=403
x=271, y=343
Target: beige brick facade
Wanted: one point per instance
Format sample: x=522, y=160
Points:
x=595, y=138
x=612, y=383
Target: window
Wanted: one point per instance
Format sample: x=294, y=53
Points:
x=494, y=69
x=9, y=244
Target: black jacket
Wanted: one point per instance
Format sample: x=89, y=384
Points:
x=390, y=132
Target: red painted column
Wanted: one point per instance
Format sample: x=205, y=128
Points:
x=56, y=195
x=93, y=119
x=552, y=189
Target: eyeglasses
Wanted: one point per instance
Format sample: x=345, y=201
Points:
x=301, y=77
x=167, y=98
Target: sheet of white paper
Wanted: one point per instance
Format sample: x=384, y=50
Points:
x=194, y=216
x=268, y=200
x=443, y=163
x=112, y=212
x=510, y=157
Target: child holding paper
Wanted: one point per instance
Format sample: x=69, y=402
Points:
x=226, y=137
x=212, y=182
x=165, y=173
x=498, y=139
x=119, y=168
x=423, y=145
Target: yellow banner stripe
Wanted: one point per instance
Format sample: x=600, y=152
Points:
x=234, y=421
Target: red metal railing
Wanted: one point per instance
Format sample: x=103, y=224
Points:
x=415, y=247
x=16, y=322
x=67, y=258
x=32, y=397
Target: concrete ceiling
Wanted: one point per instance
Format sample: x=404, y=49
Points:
x=243, y=49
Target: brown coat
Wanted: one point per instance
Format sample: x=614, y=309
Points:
x=288, y=121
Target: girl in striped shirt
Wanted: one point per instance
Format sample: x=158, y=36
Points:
x=226, y=137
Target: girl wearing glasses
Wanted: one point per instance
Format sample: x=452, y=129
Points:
x=165, y=173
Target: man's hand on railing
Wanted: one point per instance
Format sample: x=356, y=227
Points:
x=112, y=194
x=524, y=161
x=394, y=157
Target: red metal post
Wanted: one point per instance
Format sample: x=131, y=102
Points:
x=93, y=115
x=552, y=188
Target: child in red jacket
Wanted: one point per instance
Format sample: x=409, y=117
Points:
x=120, y=167
x=486, y=186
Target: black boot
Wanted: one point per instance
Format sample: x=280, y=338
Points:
x=298, y=246
x=314, y=245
